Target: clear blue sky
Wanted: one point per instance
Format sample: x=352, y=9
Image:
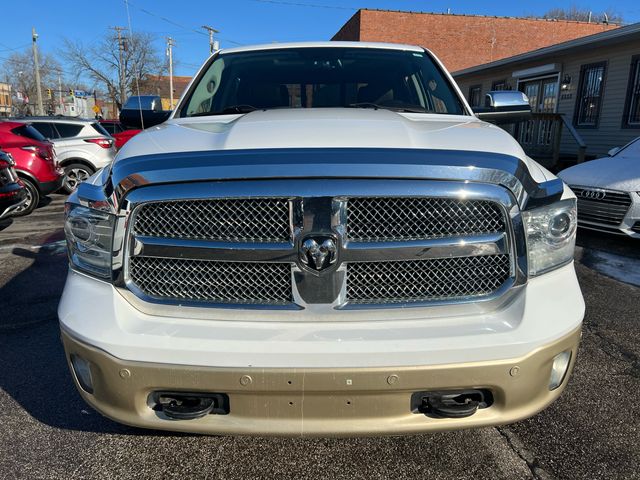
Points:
x=239, y=21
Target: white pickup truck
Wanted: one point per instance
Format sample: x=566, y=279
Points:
x=322, y=239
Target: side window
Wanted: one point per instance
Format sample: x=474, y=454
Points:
x=475, y=95
x=100, y=129
x=109, y=127
x=500, y=85
x=588, y=103
x=68, y=130
x=46, y=129
x=632, y=105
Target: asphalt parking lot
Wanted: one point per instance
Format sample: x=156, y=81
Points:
x=46, y=430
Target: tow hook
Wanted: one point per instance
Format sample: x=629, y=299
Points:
x=451, y=404
x=189, y=406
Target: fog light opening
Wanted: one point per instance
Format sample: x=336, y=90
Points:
x=82, y=371
x=559, y=369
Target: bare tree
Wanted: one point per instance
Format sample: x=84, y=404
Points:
x=101, y=62
x=584, y=15
x=19, y=71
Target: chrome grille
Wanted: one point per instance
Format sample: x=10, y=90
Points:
x=411, y=218
x=609, y=210
x=231, y=220
x=416, y=249
x=212, y=281
x=424, y=280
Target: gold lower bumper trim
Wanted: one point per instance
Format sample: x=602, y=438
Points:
x=321, y=402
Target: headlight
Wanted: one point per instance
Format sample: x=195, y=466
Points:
x=89, y=238
x=551, y=235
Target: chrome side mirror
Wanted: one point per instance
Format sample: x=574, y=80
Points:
x=504, y=106
x=613, y=151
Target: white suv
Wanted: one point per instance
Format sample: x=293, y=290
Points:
x=82, y=147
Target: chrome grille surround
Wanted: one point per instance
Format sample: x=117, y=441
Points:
x=600, y=206
x=212, y=281
x=233, y=220
x=230, y=259
x=424, y=280
x=410, y=218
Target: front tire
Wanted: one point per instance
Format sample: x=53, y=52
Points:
x=74, y=175
x=31, y=202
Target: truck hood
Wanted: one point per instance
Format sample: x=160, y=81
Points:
x=323, y=128
x=616, y=173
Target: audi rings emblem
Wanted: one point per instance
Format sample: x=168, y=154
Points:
x=593, y=194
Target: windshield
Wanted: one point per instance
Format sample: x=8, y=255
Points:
x=29, y=132
x=320, y=78
x=631, y=149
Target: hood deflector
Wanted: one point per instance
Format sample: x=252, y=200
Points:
x=386, y=163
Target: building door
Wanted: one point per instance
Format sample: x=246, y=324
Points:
x=536, y=135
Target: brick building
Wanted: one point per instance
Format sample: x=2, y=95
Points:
x=463, y=41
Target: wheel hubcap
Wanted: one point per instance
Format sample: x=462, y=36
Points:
x=74, y=177
x=26, y=203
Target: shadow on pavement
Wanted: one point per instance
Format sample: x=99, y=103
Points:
x=33, y=368
x=609, y=242
x=5, y=223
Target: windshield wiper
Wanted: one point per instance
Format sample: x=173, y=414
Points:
x=377, y=106
x=227, y=110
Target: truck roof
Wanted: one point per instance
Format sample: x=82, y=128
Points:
x=275, y=46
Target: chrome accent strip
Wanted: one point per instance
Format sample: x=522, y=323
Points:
x=212, y=250
x=490, y=244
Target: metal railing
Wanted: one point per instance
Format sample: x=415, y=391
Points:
x=541, y=136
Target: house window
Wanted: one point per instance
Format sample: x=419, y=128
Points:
x=475, y=95
x=589, y=101
x=500, y=85
x=632, y=104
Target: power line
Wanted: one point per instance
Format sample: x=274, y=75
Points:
x=176, y=24
x=9, y=49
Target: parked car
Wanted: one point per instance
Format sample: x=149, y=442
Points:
x=82, y=146
x=34, y=159
x=120, y=133
x=142, y=111
x=12, y=190
x=608, y=191
x=323, y=239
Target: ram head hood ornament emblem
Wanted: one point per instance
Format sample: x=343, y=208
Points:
x=318, y=253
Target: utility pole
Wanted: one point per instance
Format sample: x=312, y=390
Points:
x=170, y=46
x=122, y=47
x=60, y=93
x=213, y=46
x=39, y=107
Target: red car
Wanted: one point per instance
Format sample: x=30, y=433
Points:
x=12, y=190
x=118, y=131
x=34, y=162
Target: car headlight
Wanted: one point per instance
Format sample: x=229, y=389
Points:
x=89, y=239
x=551, y=235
